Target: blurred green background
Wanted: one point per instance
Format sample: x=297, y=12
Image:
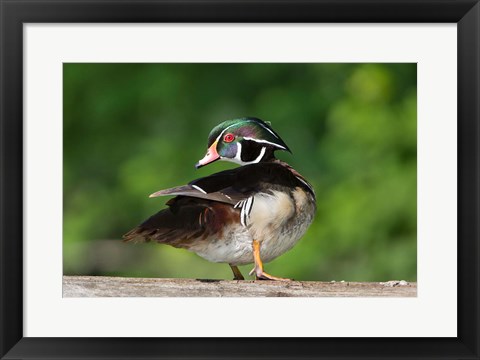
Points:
x=132, y=129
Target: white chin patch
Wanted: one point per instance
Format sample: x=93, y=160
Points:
x=234, y=160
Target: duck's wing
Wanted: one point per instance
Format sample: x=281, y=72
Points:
x=199, y=211
x=217, y=187
x=196, y=192
x=202, y=209
x=237, y=185
x=187, y=220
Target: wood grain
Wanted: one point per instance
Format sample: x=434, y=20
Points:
x=100, y=286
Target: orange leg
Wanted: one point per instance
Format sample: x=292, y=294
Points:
x=237, y=275
x=258, y=269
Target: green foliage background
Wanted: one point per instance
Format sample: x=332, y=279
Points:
x=132, y=129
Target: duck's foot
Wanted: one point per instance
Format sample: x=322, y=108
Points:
x=258, y=269
x=237, y=275
x=262, y=275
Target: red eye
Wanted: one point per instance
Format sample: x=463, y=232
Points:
x=228, y=138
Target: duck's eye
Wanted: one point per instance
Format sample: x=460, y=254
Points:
x=228, y=138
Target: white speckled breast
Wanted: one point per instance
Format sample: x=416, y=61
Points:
x=277, y=220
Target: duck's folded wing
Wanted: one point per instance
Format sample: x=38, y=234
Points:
x=197, y=192
x=237, y=185
x=186, y=221
x=217, y=187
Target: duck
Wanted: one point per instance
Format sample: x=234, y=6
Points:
x=251, y=214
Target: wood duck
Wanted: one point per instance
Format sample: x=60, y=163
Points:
x=250, y=214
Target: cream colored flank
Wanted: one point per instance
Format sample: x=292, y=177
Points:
x=276, y=220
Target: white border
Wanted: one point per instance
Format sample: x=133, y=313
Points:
x=432, y=313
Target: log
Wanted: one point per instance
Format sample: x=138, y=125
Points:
x=100, y=286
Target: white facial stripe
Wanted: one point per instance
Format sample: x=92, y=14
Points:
x=266, y=128
x=265, y=142
x=228, y=127
x=259, y=156
x=262, y=152
x=199, y=188
x=238, y=160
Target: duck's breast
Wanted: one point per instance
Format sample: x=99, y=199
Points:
x=278, y=220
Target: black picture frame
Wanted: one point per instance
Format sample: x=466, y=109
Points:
x=14, y=13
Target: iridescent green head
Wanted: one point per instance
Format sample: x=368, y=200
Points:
x=243, y=141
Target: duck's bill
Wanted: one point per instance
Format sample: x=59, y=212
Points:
x=210, y=157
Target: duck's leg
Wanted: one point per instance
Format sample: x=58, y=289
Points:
x=237, y=275
x=258, y=269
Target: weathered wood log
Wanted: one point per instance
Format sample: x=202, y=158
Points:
x=99, y=286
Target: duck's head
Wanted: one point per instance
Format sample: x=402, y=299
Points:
x=242, y=141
